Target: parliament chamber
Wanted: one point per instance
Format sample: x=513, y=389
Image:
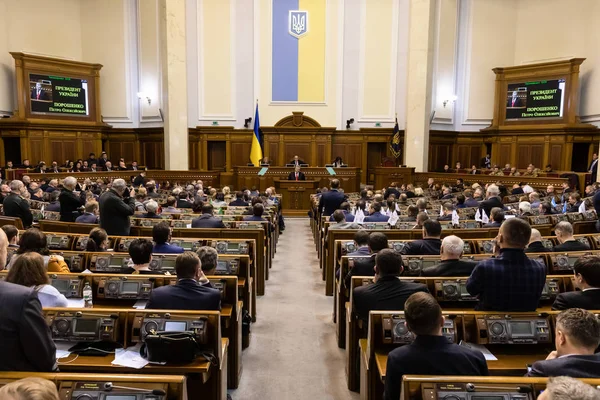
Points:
x=293, y=199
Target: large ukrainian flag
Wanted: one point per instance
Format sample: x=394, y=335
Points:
x=298, y=62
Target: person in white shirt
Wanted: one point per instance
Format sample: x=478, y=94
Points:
x=28, y=270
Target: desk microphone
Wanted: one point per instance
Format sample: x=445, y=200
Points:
x=108, y=387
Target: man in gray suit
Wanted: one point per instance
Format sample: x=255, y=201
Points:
x=340, y=218
x=207, y=219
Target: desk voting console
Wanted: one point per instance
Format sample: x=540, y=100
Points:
x=514, y=339
x=77, y=386
x=94, y=328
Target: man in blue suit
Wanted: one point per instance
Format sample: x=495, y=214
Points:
x=161, y=234
x=376, y=215
x=187, y=293
x=90, y=216
x=257, y=213
x=345, y=207
x=332, y=199
x=207, y=219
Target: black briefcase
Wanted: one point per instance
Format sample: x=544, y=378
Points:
x=170, y=347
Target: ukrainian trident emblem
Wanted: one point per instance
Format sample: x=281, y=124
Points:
x=298, y=23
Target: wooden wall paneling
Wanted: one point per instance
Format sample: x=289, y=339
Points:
x=240, y=153
x=36, y=150
x=302, y=150
x=69, y=149
x=439, y=155
x=273, y=152
x=322, y=156
x=555, y=156
x=537, y=156
x=57, y=152
x=194, y=153
x=216, y=155
x=463, y=155
x=504, y=154
x=474, y=156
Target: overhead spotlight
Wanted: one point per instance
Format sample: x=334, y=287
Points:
x=349, y=122
x=247, y=122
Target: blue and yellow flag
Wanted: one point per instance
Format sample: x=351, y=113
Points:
x=256, y=149
x=395, y=141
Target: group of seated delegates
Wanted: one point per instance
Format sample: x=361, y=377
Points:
x=27, y=344
x=111, y=204
x=487, y=168
x=92, y=164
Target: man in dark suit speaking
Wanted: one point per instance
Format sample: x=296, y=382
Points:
x=577, y=336
x=187, y=293
x=514, y=101
x=38, y=93
x=430, y=353
x=297, y=175
x=587, y=279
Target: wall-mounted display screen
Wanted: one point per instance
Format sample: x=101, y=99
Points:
x=536, y=99
x=58, y=95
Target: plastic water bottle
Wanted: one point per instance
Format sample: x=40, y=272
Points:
x=87, y=295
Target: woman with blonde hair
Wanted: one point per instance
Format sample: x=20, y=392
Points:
x=28, y=270
x=29, y=389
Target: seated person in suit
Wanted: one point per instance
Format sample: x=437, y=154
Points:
x=296, y=161
x=567, y=388
x=12, y=235
x=387, y=292
x=365, y=266
x=345, y=207
x=577, y=335
x=208, y=263
x=170, y=205
x=574, y=202
x=411, y=214
x=161, y=234
x=447, y=208
x=338, y=162
x=393, y=189
x=258, y=209
x=207, y=219
x=469, y=200
x=188, y=293
x=375, y=215
x=446, y=194
x=341, y=223
x=587, y=281
x=545, y=208
x=421, y=218
x=564, y=235
x=534, y=199
x=97, y=241
x=535, y=243
x=140, y=251
x=430, y=244
x=90, y=216
x=511, y=281
x=29, y=271
x=430, y=353
x=496, y=219
x=451, y=265
x=151, y=209
x=183, y=200
x=34, y=240
x=361, y=240
x=525, y=209
x=492, y=200
x=239, y=200
x=297, y=175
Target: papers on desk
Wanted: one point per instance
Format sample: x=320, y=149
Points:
x=130, y=358
x=263, y=171
x=75, y=303
x=62, y=349
x=140, y=304
x=482, y=349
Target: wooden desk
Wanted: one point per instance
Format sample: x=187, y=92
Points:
x=247, y=176
x=295, y=195
x=386, y=175
x=203, y=380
